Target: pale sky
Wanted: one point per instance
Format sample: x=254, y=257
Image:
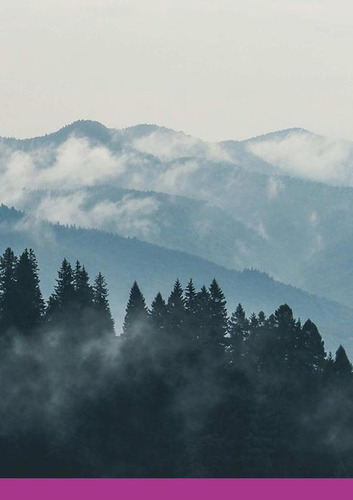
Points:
x=216, y=69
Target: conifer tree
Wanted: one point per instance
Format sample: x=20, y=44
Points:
x=65, y=288
x=238, y=332
x=253, y=323
x=29, y=305
x=287, y=331
x=191, y=311
x=176, y=309
x=83, y=290
x=203, y=314
x=190, y=297
x=342, y=365
x=159, y=313
x=261, y=318
x=63, y=298
x=310, y=347
x=101, y=303
x=136, y=317
x=8, y=263
x=218, y=317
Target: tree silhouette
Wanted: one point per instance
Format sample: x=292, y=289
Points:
x=136, y=317
x=29, y=303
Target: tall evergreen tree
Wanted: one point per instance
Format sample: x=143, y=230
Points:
x=64, y=291
x=136, y=318
x=83, y=290
x=218, y=318
x=190, y=297
x=101, y=303
x=238, y=330
x=62, y=300
x=176, y=310
x=261, y=319
x=8, y=262
x=342, y=365
x=159, y=313
x=191, y=310
x=310, y=347
x=203, y=314
x=287, y=331
x=29, y=306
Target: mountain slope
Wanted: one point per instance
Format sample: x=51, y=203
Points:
x=122, y=260
x=251, y=203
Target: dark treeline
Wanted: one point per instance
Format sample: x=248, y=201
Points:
x=185, y=391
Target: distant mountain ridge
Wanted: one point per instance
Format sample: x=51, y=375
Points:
x=237, y=203
x=122, y=260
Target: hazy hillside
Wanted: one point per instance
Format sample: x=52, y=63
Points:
x=122, y=260
x=281, y=203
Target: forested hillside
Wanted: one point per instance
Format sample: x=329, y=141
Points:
x=185, y=391
x=280, y=203
x=124, y=260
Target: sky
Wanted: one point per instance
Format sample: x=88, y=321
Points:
x=224, y=69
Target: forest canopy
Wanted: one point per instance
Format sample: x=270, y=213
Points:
x=185, y=390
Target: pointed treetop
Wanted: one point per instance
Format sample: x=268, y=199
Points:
x=190, y=296
x=101, y=303
x=284, y=316
x=136, y=316
x=159, y=312
x=342, y=365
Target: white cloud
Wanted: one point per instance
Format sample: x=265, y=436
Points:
x=79, y=164
x=169, y=145
x=73, y=165
x=308, y=156
x=38, y=231
x=176, y=178
x=129, y=216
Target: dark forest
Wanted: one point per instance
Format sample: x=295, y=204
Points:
x=183, y=391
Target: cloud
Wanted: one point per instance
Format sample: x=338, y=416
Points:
x=37, y=231
x=79, y=164
x=129, y=216
x=169, y=145
x=308, y=156
x=72, y=165
x=176, y=178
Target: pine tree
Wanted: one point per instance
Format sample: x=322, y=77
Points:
x=238, y=330
x=8, y=263
x=261, y=319
x=310, y=347
x=287, y=331
x=191, y=311
x=136, y=317
x=65, y=289
x=62, y=301
x=342, y=365
x=253, y=323
x=159, y=313
x=190, y=297
x=29, y=305
x=218, y=318
x=176, y=312
x=83, y=290
x=101, y=303
x=203, y=314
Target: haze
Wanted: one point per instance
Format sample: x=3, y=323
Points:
x=216, y=70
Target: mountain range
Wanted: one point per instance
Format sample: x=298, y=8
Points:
x=157, y=204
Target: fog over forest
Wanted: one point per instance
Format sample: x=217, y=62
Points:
x=184, y=391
